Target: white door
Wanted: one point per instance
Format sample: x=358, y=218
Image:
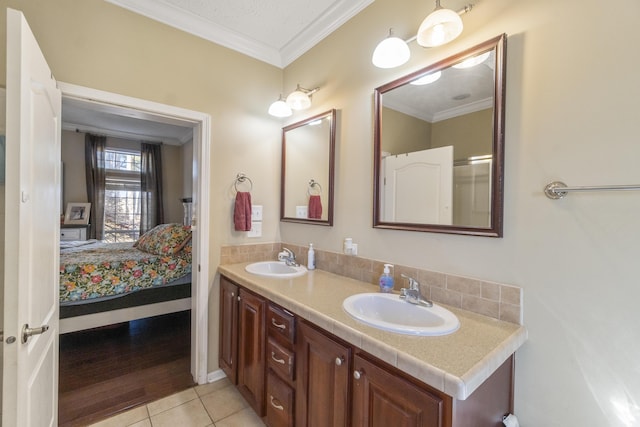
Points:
x=32, y=233
x=418, y=186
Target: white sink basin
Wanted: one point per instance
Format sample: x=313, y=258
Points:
x=276, y=269
x=390, y=313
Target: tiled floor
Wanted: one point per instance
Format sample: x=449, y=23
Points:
x=217, y=404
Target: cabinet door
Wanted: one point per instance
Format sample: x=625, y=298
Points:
x=228, y=340
x=251, y=349
x=322, y=380
x=381, y=399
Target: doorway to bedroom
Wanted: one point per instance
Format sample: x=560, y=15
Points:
x=185, y=137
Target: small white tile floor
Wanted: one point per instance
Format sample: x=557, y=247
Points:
x=218, y=404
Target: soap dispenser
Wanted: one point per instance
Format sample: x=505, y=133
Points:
x=311, y=258
x=386, y=279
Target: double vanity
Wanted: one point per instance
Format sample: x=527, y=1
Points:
x=312, y=348
x=300, y=358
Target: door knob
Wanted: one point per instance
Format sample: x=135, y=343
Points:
x=27, y=331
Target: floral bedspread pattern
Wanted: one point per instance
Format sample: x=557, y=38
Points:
x=103, y=270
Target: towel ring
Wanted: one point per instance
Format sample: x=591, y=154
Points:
x=241, y=178
x=312, y=185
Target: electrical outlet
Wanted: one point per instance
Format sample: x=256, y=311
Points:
x=302, y=212
x=256, y=229
x=256, y=213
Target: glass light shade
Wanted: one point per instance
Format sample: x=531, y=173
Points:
x=473, y=61
x=280, y=109
x=429, y=78
x=298, y=100
x=440, y=27
x=391, y=52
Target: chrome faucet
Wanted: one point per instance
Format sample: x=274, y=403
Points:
x=288, y=257
x=413, y=294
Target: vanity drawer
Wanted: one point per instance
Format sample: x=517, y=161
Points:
x=280, y=323
x=280, y=359
x=279, y=402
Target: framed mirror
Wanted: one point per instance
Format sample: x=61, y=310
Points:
x=439, y=145
x=308, y=153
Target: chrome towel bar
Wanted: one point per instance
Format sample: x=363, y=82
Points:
x=558, y=190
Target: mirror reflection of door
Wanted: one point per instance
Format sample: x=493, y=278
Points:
x=418, y=186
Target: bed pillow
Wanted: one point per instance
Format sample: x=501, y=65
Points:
x=164, y=239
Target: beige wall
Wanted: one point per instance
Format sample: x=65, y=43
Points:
x=75, y=188
x=470, y=135
x=403, y=133
x=571, y=114
x=576, y=259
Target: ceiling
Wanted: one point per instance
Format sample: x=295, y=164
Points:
x=119, y=122
x=274, y=31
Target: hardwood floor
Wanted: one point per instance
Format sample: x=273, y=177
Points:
x=108, y=370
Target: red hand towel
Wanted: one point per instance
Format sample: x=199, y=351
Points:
x=315, y=207
x=242, y=211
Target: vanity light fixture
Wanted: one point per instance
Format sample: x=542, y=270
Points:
x=299, y=99
x=280, y=108
x=391, y=52
x=440, y=27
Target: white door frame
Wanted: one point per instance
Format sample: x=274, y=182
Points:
x=201, y=124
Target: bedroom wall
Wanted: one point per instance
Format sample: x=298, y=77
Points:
x=173, y=167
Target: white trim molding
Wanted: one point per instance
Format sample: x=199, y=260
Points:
x=201, y=124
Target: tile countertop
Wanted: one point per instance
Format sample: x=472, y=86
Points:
x=455, y=364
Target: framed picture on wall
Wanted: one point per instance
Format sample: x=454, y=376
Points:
x=77, y=213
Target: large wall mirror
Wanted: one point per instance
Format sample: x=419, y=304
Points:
x=439, y=145
x=308, y=152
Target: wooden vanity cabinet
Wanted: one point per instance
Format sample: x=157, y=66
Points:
x=381, y=398
x=251, y=349
x=322, y=379
x=228, y=339
x=242, y=341
x=299, y=375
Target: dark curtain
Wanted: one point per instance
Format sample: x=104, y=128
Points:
x=151, y=206
x=96, y=183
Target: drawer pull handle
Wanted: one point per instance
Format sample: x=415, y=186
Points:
x=275, y=404
x=339, y=360
x=278, y=325
x=273, y=357
x=358, y=374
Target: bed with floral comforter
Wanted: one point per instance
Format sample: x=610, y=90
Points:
x=97, y=271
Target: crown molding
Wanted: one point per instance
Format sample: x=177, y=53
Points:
x=168, y=14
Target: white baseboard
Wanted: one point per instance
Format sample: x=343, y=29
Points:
x=215, y=376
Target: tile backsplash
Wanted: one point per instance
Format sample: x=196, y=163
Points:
x=500, y=301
